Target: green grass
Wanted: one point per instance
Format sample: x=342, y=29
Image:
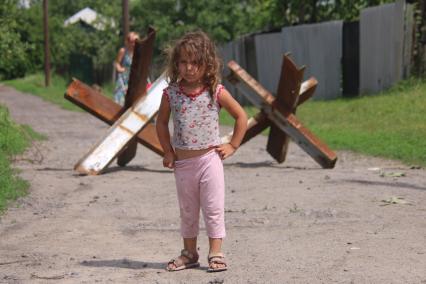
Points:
x=14, y=139
x=34, y=84
x=391, y=124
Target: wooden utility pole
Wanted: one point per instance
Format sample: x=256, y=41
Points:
x=46, y=44
x=420, y=38
x=125, y=19
x=422, y=44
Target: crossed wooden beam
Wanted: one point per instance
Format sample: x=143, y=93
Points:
x=108, y=111
x=132, y=122
x=122, y=133
x=279, y=113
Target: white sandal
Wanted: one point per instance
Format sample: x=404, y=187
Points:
x=216, y=258
x=180, y=264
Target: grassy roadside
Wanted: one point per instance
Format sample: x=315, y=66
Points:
x=391, y=124
x=34, y=84
x=14, y=139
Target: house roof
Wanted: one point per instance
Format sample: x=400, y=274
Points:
x=90, y=17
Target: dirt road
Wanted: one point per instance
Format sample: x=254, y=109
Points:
x=286, y=223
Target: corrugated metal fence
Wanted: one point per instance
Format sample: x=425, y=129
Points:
x=269, y=51
x=381, y=38
x=379, y=46
x=319, y=47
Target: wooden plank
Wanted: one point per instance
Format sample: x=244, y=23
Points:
x=307, y=90
x=92, y=101
x=289, y=84
x=260, y=121
x=108, y=111
x=282, y=118
x=277, y=145
x=142, y=56
x=255, y=125
x=303, y=137
x=128, y=153
x=287, y=96
x=123, y=130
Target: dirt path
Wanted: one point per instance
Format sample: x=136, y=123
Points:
x=288, y=223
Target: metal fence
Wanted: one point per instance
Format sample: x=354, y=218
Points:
x=381, y=46
x=319, y=47
x=369, y=55
x=269, y=51
x=236, y=50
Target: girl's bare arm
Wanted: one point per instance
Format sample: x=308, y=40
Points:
x=240, y=127
x=118, y=60
x=162, y=126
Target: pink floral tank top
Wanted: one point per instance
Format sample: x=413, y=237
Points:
x=195, y=118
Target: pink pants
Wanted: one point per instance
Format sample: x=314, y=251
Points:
x=200, y=183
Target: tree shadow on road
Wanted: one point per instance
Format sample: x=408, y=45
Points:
x=265, y=164
x=124, y=263
x=134, y=169
x=53, y=169
x=390, y=184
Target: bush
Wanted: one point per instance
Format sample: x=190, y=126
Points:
x=13, y=140
x=15, y=61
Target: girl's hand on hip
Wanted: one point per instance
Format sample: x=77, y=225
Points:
x=169, y=160
x=225, y=150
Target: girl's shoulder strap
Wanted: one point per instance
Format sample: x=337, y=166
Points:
x=173, y=87
x=219, y=89
x=170, y=90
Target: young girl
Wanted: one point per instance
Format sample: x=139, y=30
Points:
x=195, y=97
x=122, y=66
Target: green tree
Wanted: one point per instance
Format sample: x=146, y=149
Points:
x=14, y=50
x=22, y=43
x=21, y=30
x=99, y=45
x=271, y=14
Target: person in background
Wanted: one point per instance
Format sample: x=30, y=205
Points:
x=122, y=65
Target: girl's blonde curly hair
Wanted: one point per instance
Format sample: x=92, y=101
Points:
x=199, y=46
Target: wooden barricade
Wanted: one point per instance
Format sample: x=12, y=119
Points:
x=279, y=113
x=123, y=131
x=131, y=123
x=109, y=111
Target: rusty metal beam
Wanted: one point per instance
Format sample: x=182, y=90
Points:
x=259, y=122
x=255, y=125
x=278, y=140
x=282, y=117
x=307, y=90
x=142, y=56
x=287, y=96
x=108, y=111
x=123, y=130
